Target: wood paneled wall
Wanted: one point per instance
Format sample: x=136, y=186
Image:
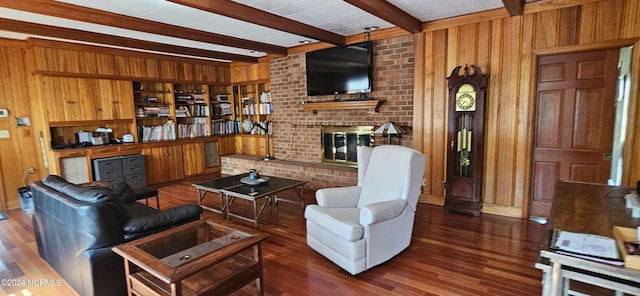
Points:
x=18, y=152
x=506, y=48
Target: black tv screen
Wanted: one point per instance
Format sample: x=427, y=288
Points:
x=343, y=69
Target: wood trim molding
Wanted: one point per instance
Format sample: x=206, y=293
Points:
x=371, y=105
x=484, y=16
x=357, y=38
x=500, y=13
x=586, y=47
x=540, y=6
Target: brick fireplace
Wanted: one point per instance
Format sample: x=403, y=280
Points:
x=297, y=134
x=340, y=143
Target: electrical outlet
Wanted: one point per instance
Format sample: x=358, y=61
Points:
x=424, y=182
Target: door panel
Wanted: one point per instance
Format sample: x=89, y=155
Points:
x=549, y=113
x=574, y=122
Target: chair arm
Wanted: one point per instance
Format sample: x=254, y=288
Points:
x=141, y=226
x=338, y=197
x=382, y=211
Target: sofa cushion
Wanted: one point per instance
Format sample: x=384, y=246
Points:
x=123, y=190
x=103, y=195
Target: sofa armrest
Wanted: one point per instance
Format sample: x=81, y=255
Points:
x=382, y=211
x=339, y=197
x=101, y=272
x=141, y=226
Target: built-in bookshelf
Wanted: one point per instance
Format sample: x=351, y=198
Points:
x=192, y=110
x=168, y=111
x=223, y=121
x=154, y=111
x=254, y=104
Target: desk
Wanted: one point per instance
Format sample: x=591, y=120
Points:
x=589, y=208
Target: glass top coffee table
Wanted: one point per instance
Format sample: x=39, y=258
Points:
x=232, y=187
x=197, y=258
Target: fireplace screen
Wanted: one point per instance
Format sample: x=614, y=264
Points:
x=340, y=143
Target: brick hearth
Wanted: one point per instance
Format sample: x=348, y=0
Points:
x=316, y=174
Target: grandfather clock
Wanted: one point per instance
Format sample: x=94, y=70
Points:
x=465, y=140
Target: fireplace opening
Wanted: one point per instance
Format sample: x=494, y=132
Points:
x=340, y=143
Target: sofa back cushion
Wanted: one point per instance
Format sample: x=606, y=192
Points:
x=102, y=195
x=123, y=190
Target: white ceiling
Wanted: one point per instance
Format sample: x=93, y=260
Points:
x=336, y=16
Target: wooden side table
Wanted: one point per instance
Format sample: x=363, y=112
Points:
x=198, y=258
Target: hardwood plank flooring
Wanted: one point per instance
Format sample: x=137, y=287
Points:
x=450, y=254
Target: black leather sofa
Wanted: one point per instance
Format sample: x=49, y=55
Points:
x=76, y=227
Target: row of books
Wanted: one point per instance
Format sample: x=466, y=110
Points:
x=265, y=97
x=252, y=109
x=168, y=130
x=190, y=99
x=192, y=130
x=192, y=111
x=221, y=109
x=221, y=98
x=164, y=132
x=228, y=127
x=153, y=111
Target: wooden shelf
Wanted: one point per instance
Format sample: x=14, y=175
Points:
x=88, y=122
x=372, y=105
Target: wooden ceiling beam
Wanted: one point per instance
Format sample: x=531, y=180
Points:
x=83, y=14
x=389, y=13
x=514, y=7
x=259, y=17
x=98, y=38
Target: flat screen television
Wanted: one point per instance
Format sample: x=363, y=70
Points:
x=338, y=70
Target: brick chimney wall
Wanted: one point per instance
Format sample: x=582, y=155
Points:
x=297, y=133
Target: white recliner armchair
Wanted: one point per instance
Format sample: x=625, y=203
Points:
x=359, y=227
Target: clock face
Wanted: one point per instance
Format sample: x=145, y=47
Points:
x=465, y=102
x=466, y=98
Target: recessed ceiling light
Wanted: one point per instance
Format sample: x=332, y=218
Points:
x=371, y=28
x=306, y=41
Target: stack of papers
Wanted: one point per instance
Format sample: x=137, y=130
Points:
x=589, y=246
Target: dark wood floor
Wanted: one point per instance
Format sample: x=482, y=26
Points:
x=450, y=254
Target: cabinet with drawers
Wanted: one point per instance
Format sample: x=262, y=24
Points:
x=133, y=170
x=126, y=168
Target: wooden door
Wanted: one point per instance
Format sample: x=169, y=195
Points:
x=575, y=113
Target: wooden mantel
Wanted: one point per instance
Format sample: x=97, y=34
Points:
x=372, y=105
